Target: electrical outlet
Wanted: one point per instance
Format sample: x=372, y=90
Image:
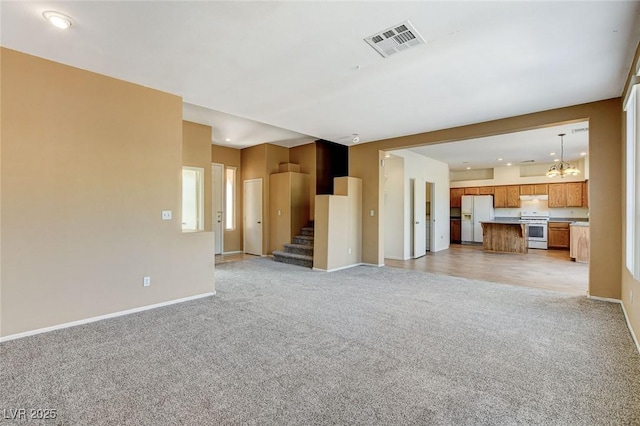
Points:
x=349, y=251
x=146, y=281
x=372, y=213
x=166, y=214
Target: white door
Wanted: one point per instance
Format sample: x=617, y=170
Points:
x=252, y=221
x=419, y=217
x=217, y=197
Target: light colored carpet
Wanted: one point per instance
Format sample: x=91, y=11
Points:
x=281, y=344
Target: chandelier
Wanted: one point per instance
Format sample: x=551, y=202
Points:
x=562, y=169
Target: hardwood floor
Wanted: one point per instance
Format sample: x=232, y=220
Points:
x=547, y=269
x=233, y=257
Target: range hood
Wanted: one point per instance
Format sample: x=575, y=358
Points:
x=534, y=197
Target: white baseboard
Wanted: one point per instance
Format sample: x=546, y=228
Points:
x=102, y=317
x=372, y=264
x=633, y=335
x=338, y=269
x=604, y=299
x=231, y=252
x=626, y=317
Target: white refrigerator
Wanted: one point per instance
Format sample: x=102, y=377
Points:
x=475, y=209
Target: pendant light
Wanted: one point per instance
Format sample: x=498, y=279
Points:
x=562, y=169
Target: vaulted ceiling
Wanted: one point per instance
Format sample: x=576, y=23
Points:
x=304, y=69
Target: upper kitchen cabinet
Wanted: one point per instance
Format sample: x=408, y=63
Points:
x=486, y=190
x=472, y=191
x=574, y=194
x=534, y=189
x=570, y=194
x=557, y=195
x=506, y=196
x=456, y=197
x=585, y=193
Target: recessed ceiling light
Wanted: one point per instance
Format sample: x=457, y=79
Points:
x=583, y=153
x=508, y=164
x=387, y=155
x=468, y=168
x=227, y=139
x=556, y=160
x=499, y=159
x=58, y=19
x=552, y=153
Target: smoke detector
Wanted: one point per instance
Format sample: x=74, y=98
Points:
x=395, y=39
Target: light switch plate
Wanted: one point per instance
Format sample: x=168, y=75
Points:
x=166, y=214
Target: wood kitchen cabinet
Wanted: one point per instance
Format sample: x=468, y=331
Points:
x=585, y=193
x=472, y=191
x=558, y=235
x=455, y=236
x=534, y=189
x=513, y=196
x=557, y=195
x=574, y=194
x=507, y=196
x=500, y=197
x=486, y=190
x=455, y=195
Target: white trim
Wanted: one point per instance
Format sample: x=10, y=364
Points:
x=604, y=299
x=633, y=335
x=626, y=317
x=102, y=317
x=394, y=258
x=232, y=252
x=338, y=269
x=373, y=264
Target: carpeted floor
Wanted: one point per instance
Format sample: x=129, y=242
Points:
x=280, y=344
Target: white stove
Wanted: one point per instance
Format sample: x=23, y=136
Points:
x=536, y=228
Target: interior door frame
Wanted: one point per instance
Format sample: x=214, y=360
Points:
x=245, y=205
x=418, y=226
x=218, y=215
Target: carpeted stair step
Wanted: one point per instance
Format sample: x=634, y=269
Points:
x=303, y=239
x=293, y=259
x=299, y=249
x=307, y=231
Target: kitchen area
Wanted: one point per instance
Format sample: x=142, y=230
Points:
x=520, y=218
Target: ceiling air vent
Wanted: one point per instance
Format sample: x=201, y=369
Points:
x=395, y=39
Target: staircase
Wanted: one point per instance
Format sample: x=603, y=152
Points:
x=300, y=252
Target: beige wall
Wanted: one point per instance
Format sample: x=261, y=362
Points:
x=230, y=157
x=305, y=156
x=88, y=164
x=288, y=207
x=196, y=152
x=338, y=226
x=605, y=187
x=260, y=162
x=629, y=284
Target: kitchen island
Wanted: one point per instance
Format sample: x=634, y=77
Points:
x=504, y=236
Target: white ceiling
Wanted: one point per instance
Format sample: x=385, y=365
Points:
x=304, y=66
x=514, y=148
